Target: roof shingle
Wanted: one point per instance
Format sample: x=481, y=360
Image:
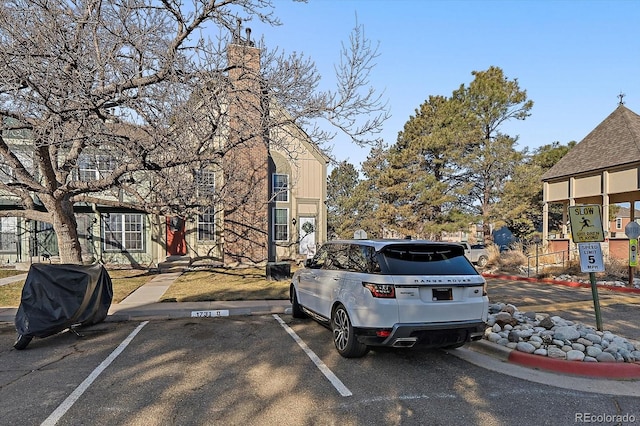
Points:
x=615, y=142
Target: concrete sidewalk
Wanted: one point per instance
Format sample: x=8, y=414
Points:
x=13, y=279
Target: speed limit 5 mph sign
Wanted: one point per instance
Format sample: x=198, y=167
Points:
x=590, y=257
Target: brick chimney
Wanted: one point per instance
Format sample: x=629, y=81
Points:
x=246, y=162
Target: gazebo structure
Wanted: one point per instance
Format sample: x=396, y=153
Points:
x=604, y=169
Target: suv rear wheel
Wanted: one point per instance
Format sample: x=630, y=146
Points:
x=482, y=261
x=343, y=336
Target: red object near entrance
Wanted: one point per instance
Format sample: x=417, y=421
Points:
x=176, y=244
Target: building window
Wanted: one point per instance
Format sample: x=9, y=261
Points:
x=7, y=174
x=281, y=187
x=8, y=234
x=281, y=224
x=93, y=167
x=618, y=223
x=206, y=183
x=206, y=225
x=123, y=232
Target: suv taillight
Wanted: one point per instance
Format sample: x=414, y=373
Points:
x=385, y=291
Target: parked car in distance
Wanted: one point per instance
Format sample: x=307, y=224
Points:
x=394, y=293
x=476, y=253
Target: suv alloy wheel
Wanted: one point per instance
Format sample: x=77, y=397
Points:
x=343, y=335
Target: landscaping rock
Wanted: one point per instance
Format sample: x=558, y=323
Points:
x=593, y=351
x=525, y=347
x=556, y=352
x=567, y=333
x=547, y=323
x=575, y=355
x=555, y=337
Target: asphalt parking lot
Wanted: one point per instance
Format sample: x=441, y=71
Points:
x=269, y=369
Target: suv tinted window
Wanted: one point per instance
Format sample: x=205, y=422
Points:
x=320, y=259
x=338, y=256
x=346, y=257
x=425, y=259
x=362, y=259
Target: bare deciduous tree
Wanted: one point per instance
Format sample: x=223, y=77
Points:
x=139, y=80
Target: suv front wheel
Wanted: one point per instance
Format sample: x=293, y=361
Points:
x=343, y=336
x=296, y=309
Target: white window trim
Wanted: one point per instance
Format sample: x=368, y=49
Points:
x=110, y=249
x=212, y=223
x=96, y=161
x=9, y=228
x=273, y=224
x=279, y=191
x=206, y=187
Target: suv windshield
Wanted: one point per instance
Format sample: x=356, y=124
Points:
x=425, y=259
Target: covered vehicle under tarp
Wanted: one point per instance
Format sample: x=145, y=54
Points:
x=55, y=297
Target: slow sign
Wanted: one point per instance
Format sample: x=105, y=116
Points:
x=586, y=224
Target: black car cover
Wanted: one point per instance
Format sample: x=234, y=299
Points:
x=55, y=297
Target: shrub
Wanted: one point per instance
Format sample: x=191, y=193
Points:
x=513, y=259
x=618, y=268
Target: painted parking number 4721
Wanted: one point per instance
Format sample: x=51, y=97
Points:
x=209, y=313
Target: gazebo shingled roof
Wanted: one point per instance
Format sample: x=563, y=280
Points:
x=615, y=142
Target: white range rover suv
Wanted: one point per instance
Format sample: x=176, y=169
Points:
x=392, y=293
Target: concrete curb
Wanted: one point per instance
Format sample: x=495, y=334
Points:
x=491, y=349
x=173, y=310
x=604, y=370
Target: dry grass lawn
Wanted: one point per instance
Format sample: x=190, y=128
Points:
x=124, y=282
x=195, y=286
x=226, y=284
x=4, y=273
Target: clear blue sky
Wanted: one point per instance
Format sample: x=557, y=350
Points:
x=572, y=57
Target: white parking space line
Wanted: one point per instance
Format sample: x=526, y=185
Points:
x=77, y=393
x=337, y=383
